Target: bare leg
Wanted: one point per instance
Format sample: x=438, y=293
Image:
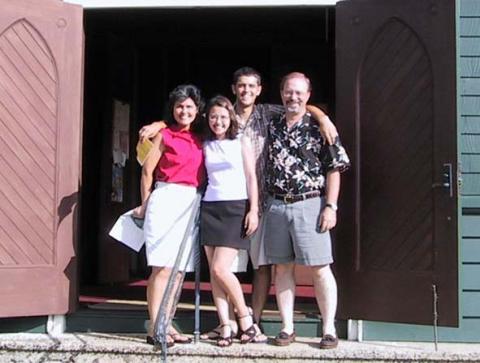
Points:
x=219, y=296
x=220, y=269
x=222, y=260
x=216, y=292
x=261, y=286
x=326, y=293
x=285, y=291
x=157, y=283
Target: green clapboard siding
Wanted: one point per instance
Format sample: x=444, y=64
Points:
x=470, y=125
x=471, y=251
x=470, y=86
x=469, y=8
x=470, y=163
x=471, y=274
x=468, y=331
x=468, y=201
x=469, y=105
x=470, y=184
x=471, y=307
x=469, y=46
x=470, y=27
x=471, y=227
x=469, y=66
x=470, y=143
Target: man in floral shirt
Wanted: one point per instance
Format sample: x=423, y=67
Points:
x=303, y=183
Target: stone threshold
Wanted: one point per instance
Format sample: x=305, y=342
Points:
x=102, y=347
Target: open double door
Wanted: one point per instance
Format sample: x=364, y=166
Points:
x=395, y=102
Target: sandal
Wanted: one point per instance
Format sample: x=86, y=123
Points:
x=260, y=337
x=151, y=341
x=180, y=339
x=213, y=334
x=176, y=337
x=250, y=332
x=225, y=341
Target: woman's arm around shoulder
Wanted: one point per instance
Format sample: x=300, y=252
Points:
x=151, y=130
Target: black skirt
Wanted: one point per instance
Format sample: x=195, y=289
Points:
x=221, y=224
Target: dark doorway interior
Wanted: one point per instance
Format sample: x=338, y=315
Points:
x=138, y=56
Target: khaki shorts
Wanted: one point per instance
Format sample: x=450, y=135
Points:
x=257, y=246
x=292, y=233
x=256, y=252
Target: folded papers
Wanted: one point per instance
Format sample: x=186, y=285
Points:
x=129, y=231
x=143, y=150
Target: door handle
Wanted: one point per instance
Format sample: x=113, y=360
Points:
x=446, y=179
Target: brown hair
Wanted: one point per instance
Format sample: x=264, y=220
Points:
x=222, y=101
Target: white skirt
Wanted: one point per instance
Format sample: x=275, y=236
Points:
x=168, y=212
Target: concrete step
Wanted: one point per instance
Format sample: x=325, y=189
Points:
x=103, y=348
x=118, y=318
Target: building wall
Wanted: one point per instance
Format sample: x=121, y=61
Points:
x=468, y=96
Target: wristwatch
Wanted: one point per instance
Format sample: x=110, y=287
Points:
x=334, y=206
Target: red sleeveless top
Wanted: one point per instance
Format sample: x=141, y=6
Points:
x=182, y=159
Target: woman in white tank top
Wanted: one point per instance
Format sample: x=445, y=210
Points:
x=229, y=214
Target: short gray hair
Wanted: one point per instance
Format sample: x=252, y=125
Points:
x=295, y=75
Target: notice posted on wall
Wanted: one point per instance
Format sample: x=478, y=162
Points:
x=121, y=135
x=120, y=147
x=117, y=183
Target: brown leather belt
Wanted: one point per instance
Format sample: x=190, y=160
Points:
x=293, y=198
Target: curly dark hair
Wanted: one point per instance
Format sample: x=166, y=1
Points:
x=180, y=94
x=221, y=101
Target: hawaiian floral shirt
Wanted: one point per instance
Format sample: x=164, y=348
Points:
x=298, y=159
x=256, y=129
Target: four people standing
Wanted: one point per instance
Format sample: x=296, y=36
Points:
x=303, y=185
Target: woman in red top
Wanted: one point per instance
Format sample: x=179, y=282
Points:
x=177, y=166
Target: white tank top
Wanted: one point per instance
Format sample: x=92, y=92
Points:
x=224, y=164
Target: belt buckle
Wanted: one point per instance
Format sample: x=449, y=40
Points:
x=288, y=198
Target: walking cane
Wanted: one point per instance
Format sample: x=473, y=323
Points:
x=165, y=314
x=196, y=330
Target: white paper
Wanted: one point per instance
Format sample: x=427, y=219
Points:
x=126, y=231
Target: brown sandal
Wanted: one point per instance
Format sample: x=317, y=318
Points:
x=213, y=334
x=180, y=339
x=225, y=341
x=250, y=332
x=151, y=341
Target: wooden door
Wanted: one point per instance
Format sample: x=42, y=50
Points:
x=41, y=49
x=396, y=109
